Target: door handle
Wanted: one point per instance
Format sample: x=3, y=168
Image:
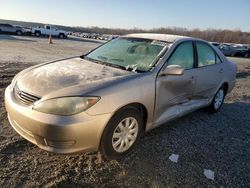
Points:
x=221, y=70
x=191, y=79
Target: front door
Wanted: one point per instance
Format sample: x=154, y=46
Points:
x=173, y=92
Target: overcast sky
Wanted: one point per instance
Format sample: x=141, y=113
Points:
x=145, y=14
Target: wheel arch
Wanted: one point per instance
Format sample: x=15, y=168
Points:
x=226, y=86
x=61, y=34
x=104, y=145
x=139, y=106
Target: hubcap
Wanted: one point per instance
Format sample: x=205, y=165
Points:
x=218, y=99
x=125, y=134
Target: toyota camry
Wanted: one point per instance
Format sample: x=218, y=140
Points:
x=104, y=100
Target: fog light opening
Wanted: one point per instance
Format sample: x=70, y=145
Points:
x=59, y=144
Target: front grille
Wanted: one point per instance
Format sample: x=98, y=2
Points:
x=24, y=97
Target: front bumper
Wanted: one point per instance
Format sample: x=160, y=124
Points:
x=59, y=134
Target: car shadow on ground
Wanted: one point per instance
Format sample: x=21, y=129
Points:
x=15, y=38
x=202, y=140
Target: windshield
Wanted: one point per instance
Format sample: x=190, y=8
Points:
x=129, y=53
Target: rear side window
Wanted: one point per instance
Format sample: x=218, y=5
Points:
x=5, y=25
x=206, y=55
x=183, y=56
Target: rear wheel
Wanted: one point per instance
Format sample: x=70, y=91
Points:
x=19, y=32
x=217, y=100
x=61, y=36
x=37, y=33
x=121, y=133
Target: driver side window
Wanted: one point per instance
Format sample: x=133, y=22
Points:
x=183, y=56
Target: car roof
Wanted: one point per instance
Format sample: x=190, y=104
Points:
x=161, y=37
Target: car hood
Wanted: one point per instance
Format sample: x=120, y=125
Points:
x=76, y=72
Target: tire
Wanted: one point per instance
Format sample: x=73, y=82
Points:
x=218, y=100
x=37, y=33
x=246, y=55
x=61, y=36
x=19, y=32
x=113, y=136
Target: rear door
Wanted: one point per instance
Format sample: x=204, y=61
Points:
x=173, y=91
x=54, y=31
x=11, y=29
x=209, y=71
x=7, y=28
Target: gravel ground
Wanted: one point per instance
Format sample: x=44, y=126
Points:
x=219, y=142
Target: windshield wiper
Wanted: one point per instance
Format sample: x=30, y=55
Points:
x=94, y=60
x=116, y=59
x=105, y=63
x=134, y=68
x=103, y=57
x=116, y=66
x=128, y=68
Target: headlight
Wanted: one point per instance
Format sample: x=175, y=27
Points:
x=66, y=106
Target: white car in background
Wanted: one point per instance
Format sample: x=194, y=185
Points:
x=49, y=30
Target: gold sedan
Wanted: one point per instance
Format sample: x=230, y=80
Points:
x=105, y=99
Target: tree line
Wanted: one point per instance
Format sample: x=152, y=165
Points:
x=213, y=35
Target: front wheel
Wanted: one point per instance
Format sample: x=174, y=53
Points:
x=217, y=100
x=61, y=36
x=121, y=133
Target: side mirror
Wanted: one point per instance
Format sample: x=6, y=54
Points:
x=172, y=70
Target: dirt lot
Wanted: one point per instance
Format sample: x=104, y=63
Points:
x=219, y=142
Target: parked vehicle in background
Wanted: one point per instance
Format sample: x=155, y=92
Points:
x=241, y=51
x=95, y=35
x=70, y=33
x=11, y=29
x=100, y=37
x=76, y=34
x=84, y=35
x=216, y=44
x=27, y=30
x=49, y=30
x=245, y=52
x=228, y=50
x=248, y=52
